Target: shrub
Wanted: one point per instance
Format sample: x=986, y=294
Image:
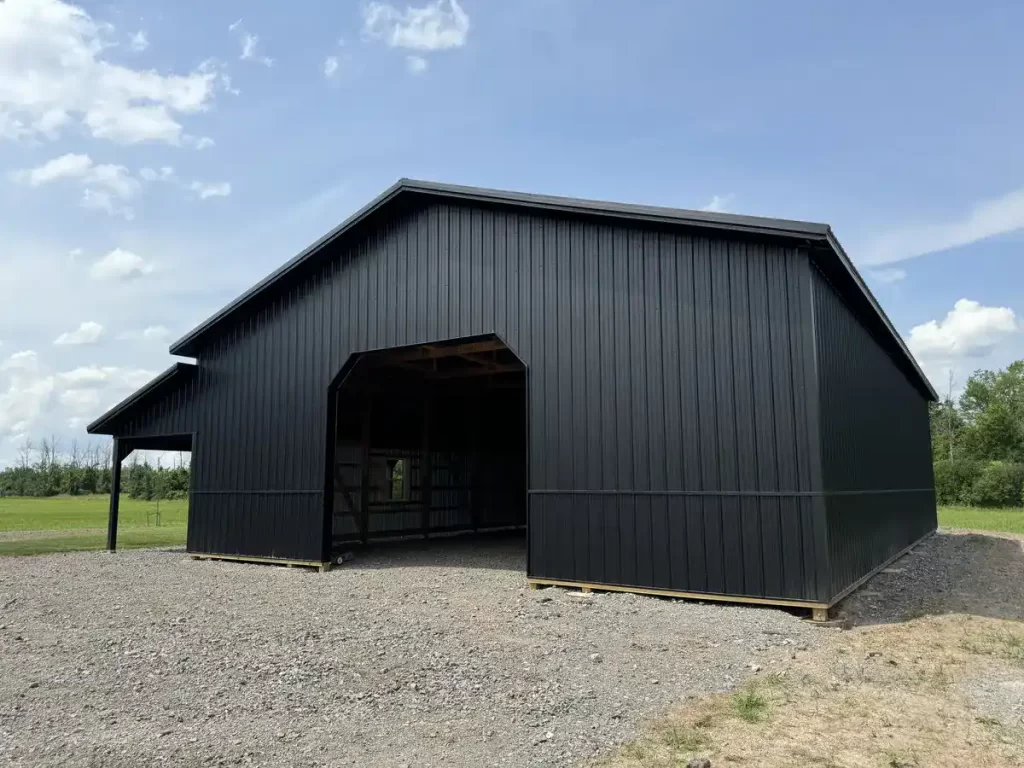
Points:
x=954, y=480
x=999, y=485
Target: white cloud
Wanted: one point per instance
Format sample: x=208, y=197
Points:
x=69, y=166
x=249, y=45
x=119, y=264
x=330, y=66
x=206, y=142
x=139, y=42
x=155, y=333
x=969, y=332
x=74, y=253
x=890, y=275
x=100, y=200
x=87, y=332
x=208, y=190
x=233, y=26
x=986, y=219
x=416, y=64
x=719, y=204
x=436, y=26
x=53, y=74
x=104, y=184
x=166, y=173
x=34, y=397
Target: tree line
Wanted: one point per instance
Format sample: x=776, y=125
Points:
x=45, y=469
x=978, y=440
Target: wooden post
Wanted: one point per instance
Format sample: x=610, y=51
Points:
x=426, y=466
x=364, y=479
x=115, y=496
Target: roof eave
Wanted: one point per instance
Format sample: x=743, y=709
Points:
x=136, y=396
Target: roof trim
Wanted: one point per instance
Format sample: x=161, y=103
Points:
x=134, y=399
x=800, y=230
x=185, y=346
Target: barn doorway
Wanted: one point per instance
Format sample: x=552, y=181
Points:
x=428, y=440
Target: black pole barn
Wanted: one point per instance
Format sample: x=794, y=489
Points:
x=669, y=401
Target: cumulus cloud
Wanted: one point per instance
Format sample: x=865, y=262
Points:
x=415, y=64
x=206, y=142
x=105, y=184
x=968, y=330
x=719, y=204
x=436, y=26
x=53, y=74
x=207, y=190
x=119, y=264
x=86, y=333
x=986, y=219
x=969, y=333
x=330, y=66
x=32, y=397
x=139, y=42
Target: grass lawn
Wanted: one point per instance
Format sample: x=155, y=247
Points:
x=68, y=523
x=1005, y=520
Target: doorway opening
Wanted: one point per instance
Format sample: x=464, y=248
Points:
x=428, y=440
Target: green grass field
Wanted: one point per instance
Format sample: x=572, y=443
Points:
x=1004, y=520
x=71, y=523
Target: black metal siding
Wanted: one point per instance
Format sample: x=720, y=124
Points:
x=876, y=455
x=670, y=385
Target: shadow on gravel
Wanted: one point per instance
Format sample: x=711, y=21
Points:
x=500, y=550
x=977, y=574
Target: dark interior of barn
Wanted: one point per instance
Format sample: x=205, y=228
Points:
x=429, y=440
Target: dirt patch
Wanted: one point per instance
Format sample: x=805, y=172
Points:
x=931, y=672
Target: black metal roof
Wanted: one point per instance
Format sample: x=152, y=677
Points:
x=173, y=374
x=188, y=344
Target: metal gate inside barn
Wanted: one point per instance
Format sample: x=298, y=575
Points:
x=428, y=439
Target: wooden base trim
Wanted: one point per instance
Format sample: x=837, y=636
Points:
x=321, y=566
x=590, y=587
x=864, y=579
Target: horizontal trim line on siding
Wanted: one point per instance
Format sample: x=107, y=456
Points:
x=786, y=494
x=256, y=493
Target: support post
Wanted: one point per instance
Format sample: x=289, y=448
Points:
x=426, y=466
x=474, y=462
x=364, y=476
x=115, y=496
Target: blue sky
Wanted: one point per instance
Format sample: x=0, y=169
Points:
x=156, y=159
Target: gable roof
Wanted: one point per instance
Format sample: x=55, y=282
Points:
x=188, y=344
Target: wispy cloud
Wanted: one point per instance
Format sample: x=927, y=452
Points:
x=120, y=264
x=890, y=275
x=250, y=42
x=719, y=204
x=139, y=42
x=434, y=27
x=207, y=190
x=330, y=66
x=985, y=219
x=416, y=64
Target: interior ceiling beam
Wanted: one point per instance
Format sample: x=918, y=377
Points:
x=489, y=371
x=426, y=352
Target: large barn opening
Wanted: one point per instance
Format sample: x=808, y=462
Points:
x=428, y=440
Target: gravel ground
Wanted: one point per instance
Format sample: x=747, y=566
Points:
x=978, y=574
x=428, y=655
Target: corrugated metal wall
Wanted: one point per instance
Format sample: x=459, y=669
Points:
x=670, y=378
x=876, y=453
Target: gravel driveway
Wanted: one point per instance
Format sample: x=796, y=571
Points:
x=434, y=654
